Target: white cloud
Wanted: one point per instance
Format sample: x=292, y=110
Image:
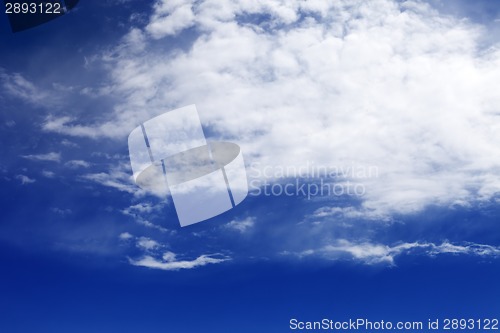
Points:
x=469, y=248
x=348, y=213
x=385, y=83
x=151, y=225
x=374, y=253
x=135, y=40
x=68, y=143
x=51, y=157
x=368, y=252
x=18, y=86
x=48, y=174
x=109, y=180
x=141, y=211
x=147, y=244
x=169, y=262
x=61, y=211
x=25, y=179
x=117, y=177
x=78, y=164
x=171, y=17
x=140, y=208
x=125, y=236
x=169, y=256
x=241, y=225
x=66, y=125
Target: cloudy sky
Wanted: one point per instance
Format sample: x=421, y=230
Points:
x=371, y=136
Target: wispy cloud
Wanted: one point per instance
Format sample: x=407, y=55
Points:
x=109, y=180
x=66, y=125
x=68, y=143
x=75, y=164
x=142, y=212
x=61, y=211
x=349, y=213
x=117, y=177
x=48, y=173
x=125, y=236
x=241, y=226
x=375, y=253
x=141, y=208
x=147, y=244
x=155, y=258
x=169, y=262
x=170, y=17
x=25, y=179
x=51, y=157
x=18, y=86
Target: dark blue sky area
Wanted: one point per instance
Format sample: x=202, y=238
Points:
x=42, y=294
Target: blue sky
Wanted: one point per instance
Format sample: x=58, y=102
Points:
x=396, y=99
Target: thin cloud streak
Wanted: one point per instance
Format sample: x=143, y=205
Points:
x=51, y=157
x=375, y=253
x=174, y=265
